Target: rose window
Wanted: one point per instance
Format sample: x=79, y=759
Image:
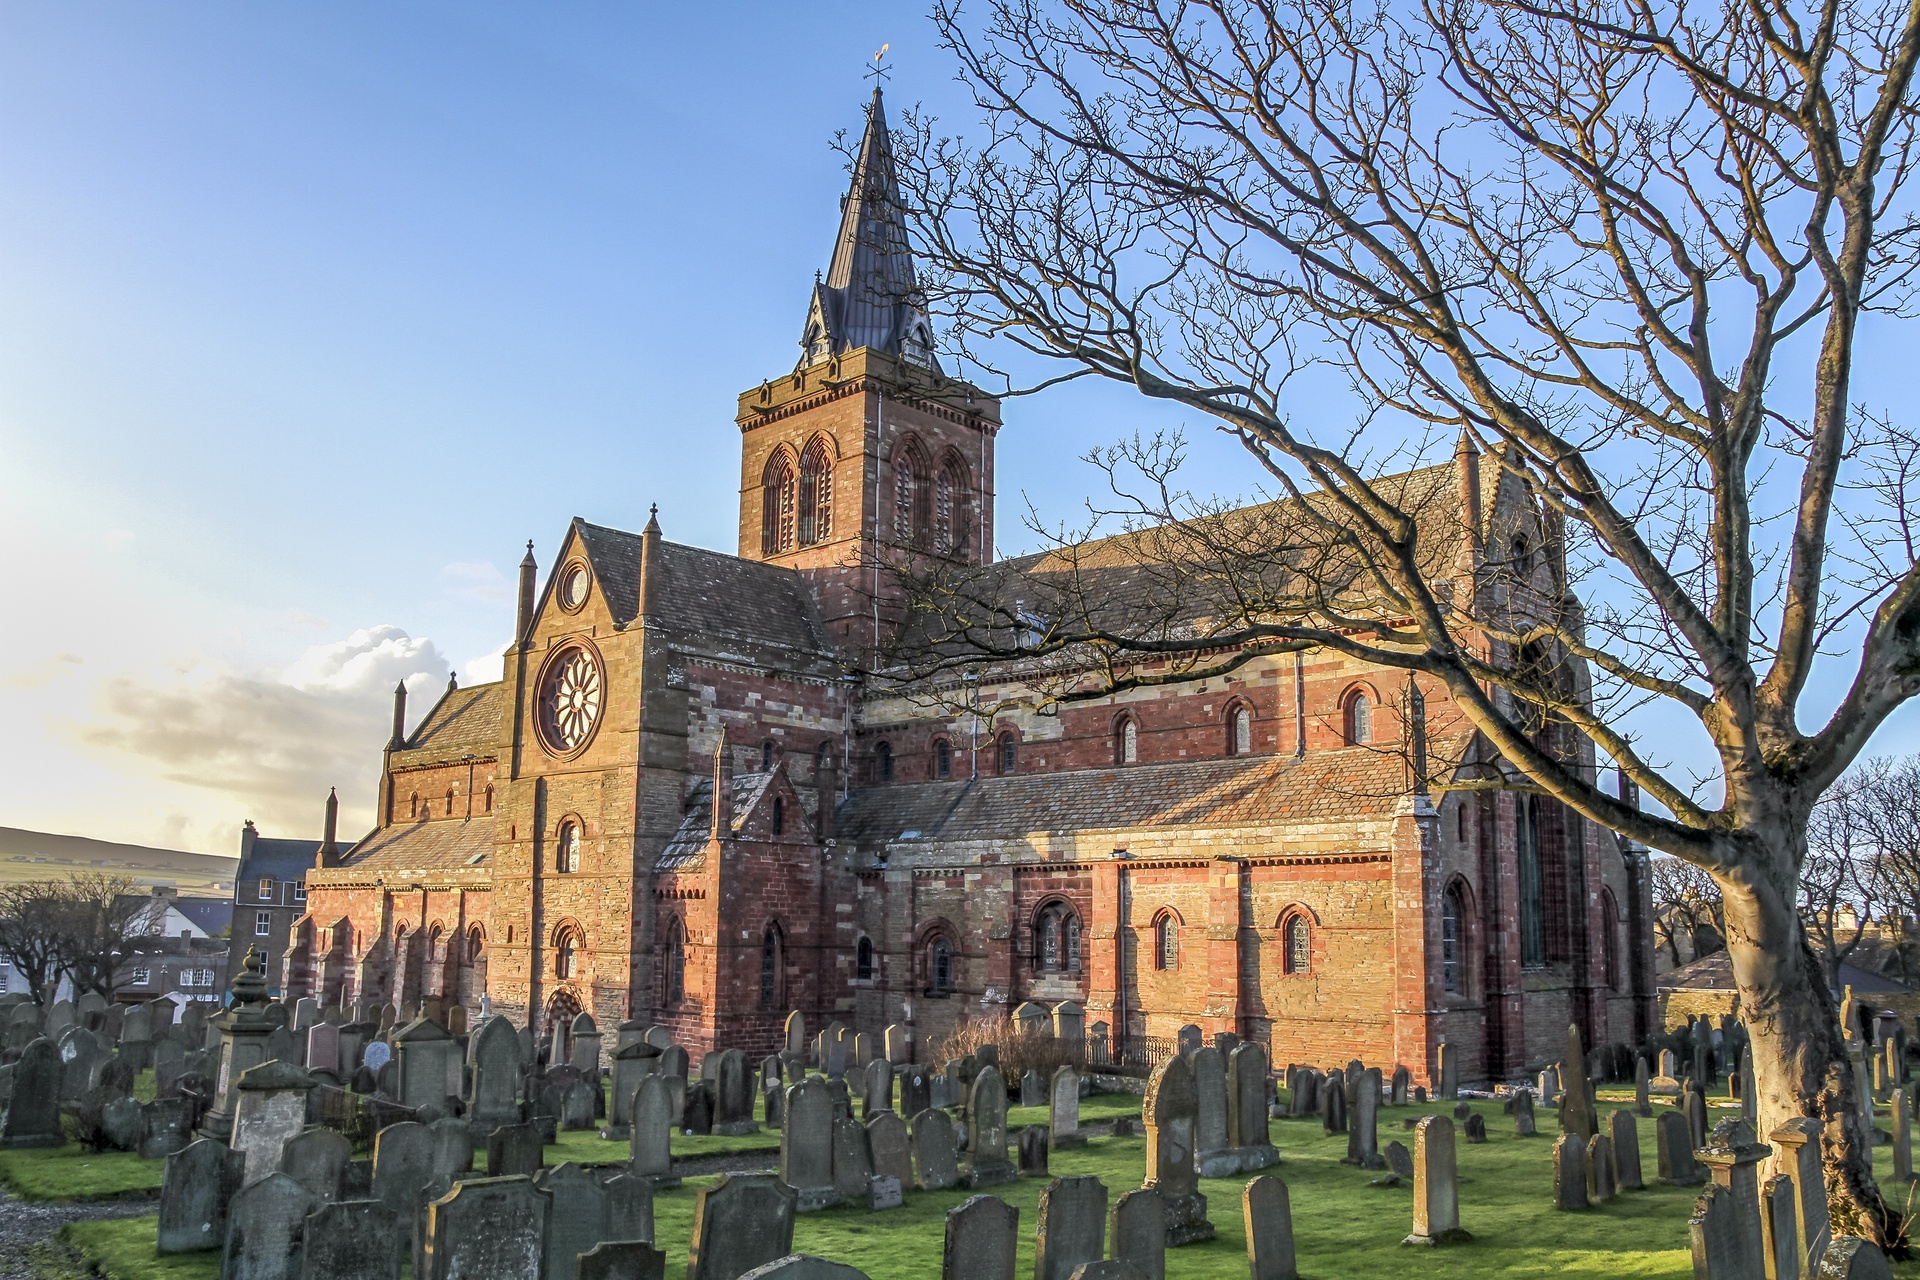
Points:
x=570, y=702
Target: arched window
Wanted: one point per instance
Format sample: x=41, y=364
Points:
x=1533, y=934
x=943, y=510
x=1452, y=950
x=1297, y=939
x=940, y=967
x=942, y=758
x=816, y=494
x=1359, y=717
x=1522, y=555
x=476, y=945
x=1240, y=732
x=1166, y=942
x=883, y=761
x=1460, y=821
x=952, y=519
x=863, y=960
x=449, y=802
x=1009, y=753
x=566, y=954
x=766, y=756
x=905, y=488
x=1610, y=938
x=1126, y=741
x=1056, y=939
x=777, y=503
x=489, y=801
x=779, y=816
x=772, y=944
x=413, y=805
x=676, y=963
x=566, y=848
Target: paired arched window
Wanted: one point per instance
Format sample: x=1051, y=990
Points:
x=1453, y=923
x=1056, y=939
x=1166, y=941
x=778, y=504
x=567, y=946
x=942, y=758
x=1009, y=753
x=863, y=960
x=883, y=761
x=1240, y=730
x=566, y=848
x=1126, y=741
x=1359, y=717
x=816, y=493
x=772, y=966
x=1296, y=944
x=675, y=967
x=940, y=965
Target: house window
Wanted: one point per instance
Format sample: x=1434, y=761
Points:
x=940, y=967
x=1450, y=914
x=942, y=759
x=142, y=976
x=1166, y=942
x=566, y=849
x=1298, y=938
x=770, y=948
x=262, y=924
x=299, y=890
x=1126, y=742
x=676, y=963
x=1240, y=738
x=1009, y=754
x=1359, y=719
x=863, y=960
x=883, y=761
x=266, y=889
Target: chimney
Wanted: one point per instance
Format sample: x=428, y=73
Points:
x=330, y=831
x=529, y=573
x=248, y=835
x=828, y=785
x=723, y=788
x=1466, y=463
x=399, y=738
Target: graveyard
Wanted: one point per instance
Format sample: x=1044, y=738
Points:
x=455, y=1151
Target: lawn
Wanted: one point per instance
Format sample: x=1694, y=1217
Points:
x=1343, y=1225
x=68, y=1173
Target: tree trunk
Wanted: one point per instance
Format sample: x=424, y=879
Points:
x=1800, y=1060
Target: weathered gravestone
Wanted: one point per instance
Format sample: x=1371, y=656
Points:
x=1063, y=1115
x=733, y=1095
x=742, y=1222
x=1072, y=1227
x=888, y=1145
x=1033, y=1089
x=514, y=1151
x=1363, y=1125
x=982, y=1240
x=493, y=1053
x=1187, y=1039
x=33, y=1114
x=317, y=1160
x=166, y=1125
x=487, y=1229
x=987, y=1163
x=1851, y=1258
x=120, y=1122
x=877, y=1088
x=1523, y=1121
x=1333, y=1103
x=1725, y=1236
x=1170, y=1113
x=1677, y=1166
x=1799, y=1143
x=1777, y=1232
x=270, y=1108
x=805, y=1266
x=353, y=1240
x=852, y=1164
x=935, y=1165
x=578, y=1213
x=1449, y=1072
x=200, y=1180
x=1031, y=1144
x=1267, y=1212
x=806, y=1146
x=1569, y=1172
x=1211, y=1154
x=1641, y=1105
x=402, y=1168
x=1247, y=1091
x=622, y=1260
x=1624, y=1141
x=1397, y=1092
x=1399, y=1160
x=1436, y=1185
x=650, y=1143
x=1576, y=1105
x=1137, y=1232
x=266, y=1226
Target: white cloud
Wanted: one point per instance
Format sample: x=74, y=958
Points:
x=486, y=668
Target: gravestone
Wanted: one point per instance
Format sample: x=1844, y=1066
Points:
x=1333, y=1105
x=987, y=1163
x=1267, y=1211
x=877, y=1092
x=796, y=1032
x=493, y=1053
x=696, y=1116
x=583, y=1044
x=733, y=1096
x=1211, y=1155
x=452, y=1142
x=1725, y=1236
x=622, y=1260
x=889, y=1148
x=1031, y=1018
x=1137, y=1232
x=1851, y=1258
x=1777, y=1232
x=317, y=1160
x=1641, y=1105
x=514, y=1151
x=1072, y=1227
x=1399, y=1160
x=1063, y=1117
x=402, y=1167
x=491, y=1228
x=1436, y=1185
x=323, y=1047
x=1070, y=1028
x=935, y=1166
x=1677, y=1167
x=1402, y=1081
x=577, y=1216
x=1569, y=1173
x=1247, y=1091
x=1624, y=1140
x=896, y=1044
x=1523, y=1121
x=1033, y=1089
x=1170, y=1115
x=1734, y=1159
x=271, y=1107
x=863, y=1051
x=742, y=1222
x=353, y=1240
x=1187, y=1039
x=166, y=1126
x=650, y=1142
x=852, y=1162
x=1576, y=1105
x=1031, y=1144
x=33, y=1113
x=773, y=1105
x=1449, y=1072
x=1475, y=1129
x=1799, y=1143
x=120, y=1124
x=982, y=1240
x=1902, y=1115
x=266, y=1225
x=806, y=1145
x=199, y=1182
x=1363, y=1126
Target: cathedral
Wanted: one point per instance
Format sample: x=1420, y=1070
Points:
x=691, y=801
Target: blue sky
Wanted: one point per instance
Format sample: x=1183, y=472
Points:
x=317, y=313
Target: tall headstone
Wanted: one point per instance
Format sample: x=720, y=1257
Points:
x=1267, y=1212
x=796, y=1033
x=1576, y=1107
x=1524, y=1124
x=1624, y=1137
x=1072, y=1227
x=1170, y=1114
x=271, y=1108
x=353, y=1240
x=1734, y=1160
x=982, y=1240
x=897, y=1044
x=266, y=1226
x=1247, y=1093
x=1449, y=1072
x=578, y=1216
x=877, y=1091
x=1070, y=1028
x=741, y=1222
x=1569, y=1172
x=1137, y=1233
x=33, y=1114
x=1902, y=1136
x=1600, y=1185
x=1642, y=1106
x=1188, y=1038
x=487, y=1227
x=1724, y=1242
x=1063, y=1117
x=1674, y=1145
x=1211, y=1155
x=1799, y=1143
x=583, y=1044
x=987, y=1163
x=1363, y=1125
x=806, y=1145
x=317, y=1160
x=889, y=1148
x=494, y=1054
x=733, y=1095
x=1778, y=1235
x=1436, y=1185
x=199, y=1182
x=514, y=1151
x=650, y=1136
x=935, y=1164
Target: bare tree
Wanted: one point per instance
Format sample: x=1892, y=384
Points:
x=102, y=916
x=1687, y=909
x=33, y=921
x=1841, y=881
x=1888, y=812
x=1624, y=249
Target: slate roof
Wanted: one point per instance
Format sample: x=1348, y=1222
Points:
x=1714, y=972
x=440, y=844
x=277, y=859
x=696, y=820
x=464, y=722
x=706, y=592
x=1254, y=790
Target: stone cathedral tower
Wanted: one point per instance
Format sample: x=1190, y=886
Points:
x=866, y=453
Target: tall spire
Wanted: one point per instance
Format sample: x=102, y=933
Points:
x=870, y=297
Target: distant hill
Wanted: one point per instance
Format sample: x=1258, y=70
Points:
x=38, y=855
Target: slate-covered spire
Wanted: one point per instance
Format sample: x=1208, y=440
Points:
x=870, y=297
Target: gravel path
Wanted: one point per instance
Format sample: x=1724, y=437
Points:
x=28, y=1250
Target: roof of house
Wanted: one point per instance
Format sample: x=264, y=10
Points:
x=276, y=859
x=696, y=817
x=1714, y=972
x=214, y=916
x=1253, y=790
x=422, y=845
x=464, y=722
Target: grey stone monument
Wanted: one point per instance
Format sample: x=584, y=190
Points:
x=487, y=1227
x=742, y=1222
x=1170, y=1115
x=1072, y=1227
x=982, y=1240
x=266, y=1227
x=1267, y=1211
x=1137, y=1232
x=1436, y=1185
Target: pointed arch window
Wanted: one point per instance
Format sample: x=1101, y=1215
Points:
x=1296, y=937
x=883, y=761
x=1452, y=952
x=1359, y=718
x=1166, y=942
x=566, y=848
x=1239, y=731
x=676, y=963
x=1009, y=754
x=940, y=967
x=816, y=494
x=1126, y=741
x=772, y=966
x=778, y=500
x=905, y=485
x=863, y=960
x=942, y=759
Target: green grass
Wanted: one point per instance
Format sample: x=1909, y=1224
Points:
x=1343, y=1226
x=68, y=1173
x=1096, y=1108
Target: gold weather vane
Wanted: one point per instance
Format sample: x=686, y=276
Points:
x=878, y=70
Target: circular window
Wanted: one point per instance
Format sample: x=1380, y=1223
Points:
x=571, y=693
x=575, y=581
